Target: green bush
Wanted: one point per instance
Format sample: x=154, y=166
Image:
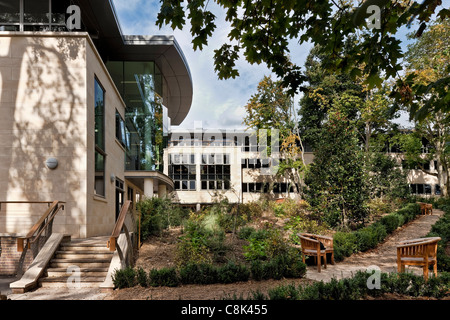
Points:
x=391, y=222
x=167, y=277
x=232, y=272
x=124, y=278
x=198, y=273
x=344, y=245
x=281, y=266
x=157, y=214
x=369, y=237
x=200, y=244
x=355, y=288
x=142, y=277
x=245, y=232
x=442, y=229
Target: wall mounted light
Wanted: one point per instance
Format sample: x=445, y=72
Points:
x=51, y=163
x=113, y=178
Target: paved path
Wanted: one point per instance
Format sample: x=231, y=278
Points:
x=383, y=256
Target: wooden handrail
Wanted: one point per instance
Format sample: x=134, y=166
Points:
x=41, y=224
x=120, y=223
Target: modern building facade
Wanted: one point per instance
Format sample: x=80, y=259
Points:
x=207, y=165
x=85, y=113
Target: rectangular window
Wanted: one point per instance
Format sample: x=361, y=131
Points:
x=184, y=176
x=121, y=135
x=437, y=190
x=36, y=11
x=100, y=155
x=10, y=11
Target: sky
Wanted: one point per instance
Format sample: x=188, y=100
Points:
x=217, y=104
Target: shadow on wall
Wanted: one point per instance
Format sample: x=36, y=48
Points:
x=43, y=100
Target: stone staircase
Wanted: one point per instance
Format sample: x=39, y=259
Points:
x=80, y=263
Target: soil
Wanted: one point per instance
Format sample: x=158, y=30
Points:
x=158, y=252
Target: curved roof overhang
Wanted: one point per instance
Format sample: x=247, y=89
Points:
x=100, y=20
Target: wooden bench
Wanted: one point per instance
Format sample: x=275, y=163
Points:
x=418, y=252
x=318, y=247
x=426, y=208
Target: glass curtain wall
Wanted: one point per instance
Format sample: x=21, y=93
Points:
x=140, y=84
x=33, y=15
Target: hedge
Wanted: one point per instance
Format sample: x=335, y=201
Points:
x=205, y=273
x=347, y=243
x=355, y=288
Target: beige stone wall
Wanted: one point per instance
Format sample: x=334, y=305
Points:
x=101, y=210
x=47, y=108
x=42, y=102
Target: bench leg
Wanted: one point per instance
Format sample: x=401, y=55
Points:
x=325, y=261
x=425, y=272
x=435, y=269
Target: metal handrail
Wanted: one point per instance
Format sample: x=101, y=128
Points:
x=41, y=225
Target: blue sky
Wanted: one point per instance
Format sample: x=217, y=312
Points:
x=218, y=104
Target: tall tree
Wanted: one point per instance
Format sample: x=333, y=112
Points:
x=271, y=107
x=262, y=31
x=335, y=181
x=428, y=61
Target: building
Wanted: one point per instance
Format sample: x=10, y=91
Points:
x=206, y=165
x=85, y=112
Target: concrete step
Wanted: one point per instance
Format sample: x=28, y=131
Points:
x=84, y=247
x=81, y=263
x=83, y=255
x=62, y=272
x=65, y=282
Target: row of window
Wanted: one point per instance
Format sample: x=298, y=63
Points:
x=33, y=15
x=264, y=187
x=420, y=188
x=207, y=158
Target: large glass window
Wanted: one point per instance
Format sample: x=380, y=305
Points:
x=215, y=172
x=100, y=155
x=182, y=170
x=10, y=11
x=33, y=15
x=36, y=11
x=140, y=84
x=121, y=134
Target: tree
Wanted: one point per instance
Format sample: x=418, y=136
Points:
x=271, y=107
x=262, y=32
x=428, y=61
x=335, y=181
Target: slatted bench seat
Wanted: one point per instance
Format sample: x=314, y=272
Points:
x=418, y=252
x=426, y=208
x=318, y=247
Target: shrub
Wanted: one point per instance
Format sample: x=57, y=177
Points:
x=141, y=277
x=245, y=232
x=198, y=273
x=232, y=272
x=286, y=265
x=391, y=222
x=164, y=277
x=345, y=244
x=157, y=214
x=124, y=278
x=369, y=237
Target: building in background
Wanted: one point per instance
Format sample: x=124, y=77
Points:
x=207, y=165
